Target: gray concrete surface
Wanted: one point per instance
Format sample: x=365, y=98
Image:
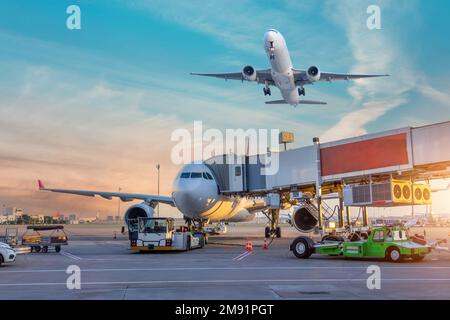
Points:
x=219, y=271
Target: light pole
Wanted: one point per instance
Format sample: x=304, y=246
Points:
x=157, y=168
x=118, y=207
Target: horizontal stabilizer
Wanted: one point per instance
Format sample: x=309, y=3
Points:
x=300, y=102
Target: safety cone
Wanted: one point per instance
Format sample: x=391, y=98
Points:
x=265, y=245
x=248, y=246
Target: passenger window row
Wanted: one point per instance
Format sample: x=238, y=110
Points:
x=205, y=175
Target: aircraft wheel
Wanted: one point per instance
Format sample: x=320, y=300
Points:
x=302, y=247
x=267, y=232
x=278, y=232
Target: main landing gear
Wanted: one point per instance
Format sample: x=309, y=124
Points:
x=301, y=91
x=273, y=229
x=267, y=91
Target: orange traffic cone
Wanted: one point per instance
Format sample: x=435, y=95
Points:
x=248, y=246
x=265, y=245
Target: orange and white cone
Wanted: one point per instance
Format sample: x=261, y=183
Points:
x=248, y=246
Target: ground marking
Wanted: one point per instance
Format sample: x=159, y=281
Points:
x=413, y=280
x=216, y=268
x=242, y=255
x=71, y=256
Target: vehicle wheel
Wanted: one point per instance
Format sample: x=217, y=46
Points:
x=302, y=248
x=58, y=248
x=267, y=232
x=417, y=257
x=278, y=232
x=393, y=254
x=332, y=238
x=37, y=249
x=1, y=259
x=44, y=249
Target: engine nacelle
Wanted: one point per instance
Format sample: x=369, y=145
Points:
x=304, y=219
x=313, y=74
x=141, y=210
x=249, y=73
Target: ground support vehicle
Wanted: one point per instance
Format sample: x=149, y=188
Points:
x=10, y=237
x=7, y=254
x=160, y=234
x=38, y=241
x=392, y=243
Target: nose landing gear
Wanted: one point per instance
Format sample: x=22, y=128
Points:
x=267, y=91
x=273, y=229
x=301, y=91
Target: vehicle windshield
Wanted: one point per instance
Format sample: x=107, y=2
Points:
x=152, y=225
x=400, y=235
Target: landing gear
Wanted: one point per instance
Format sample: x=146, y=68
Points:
x=267, y=91
x=301, y=91
x=273, y=229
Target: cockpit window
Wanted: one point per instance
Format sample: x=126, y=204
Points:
x=185, y=175
x=207, y=176
x=196, y=175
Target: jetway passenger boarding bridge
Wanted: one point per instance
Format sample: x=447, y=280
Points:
x=390, y=168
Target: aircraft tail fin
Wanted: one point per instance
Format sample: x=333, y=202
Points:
x=40, y=185
x=300, y=102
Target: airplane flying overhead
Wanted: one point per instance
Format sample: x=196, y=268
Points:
x=283, y=75
x=195, y=194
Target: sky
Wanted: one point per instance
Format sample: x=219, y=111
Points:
x=95, y=108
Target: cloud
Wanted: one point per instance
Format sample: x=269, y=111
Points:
x=435, y=94
x=374, y=52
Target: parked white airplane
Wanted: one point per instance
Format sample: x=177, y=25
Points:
x=282, y=74
x=195, y=194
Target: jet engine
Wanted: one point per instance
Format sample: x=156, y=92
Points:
x=305, y=219
x=249, y=73
x=141, y=210
x=313, y=74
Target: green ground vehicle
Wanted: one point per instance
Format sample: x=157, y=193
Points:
x=392, y=243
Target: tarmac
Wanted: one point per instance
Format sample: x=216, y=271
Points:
x=221, y=270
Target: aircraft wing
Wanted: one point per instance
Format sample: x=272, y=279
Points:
x=261, y=76
x=109, y=195
x=301, y=77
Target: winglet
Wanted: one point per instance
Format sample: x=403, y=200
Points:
x=40, y=185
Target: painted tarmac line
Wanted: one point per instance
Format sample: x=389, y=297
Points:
x=412, y=280
x=71, y=256
x=216, y=268
x=240, y=255
x=244, y=256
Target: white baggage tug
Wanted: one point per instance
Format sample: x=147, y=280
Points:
x=153, y=234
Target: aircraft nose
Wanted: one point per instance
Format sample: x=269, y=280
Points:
x=270, y=35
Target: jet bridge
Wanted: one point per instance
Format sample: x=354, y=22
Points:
x=364, y=171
